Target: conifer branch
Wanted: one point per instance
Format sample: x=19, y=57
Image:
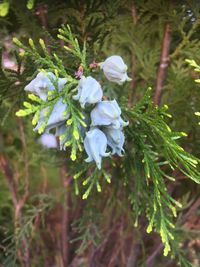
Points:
x=152, y=151
x=186, y=39
x=164, y=61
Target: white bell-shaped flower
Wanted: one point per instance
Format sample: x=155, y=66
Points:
x=48, y=140
x=57, y=114
x=115, y=139
x=107, y=113
x=56, y=118
x=115, y=69
x=64, y=130
x=89, y=91
x=42, y=84
x=95, y=144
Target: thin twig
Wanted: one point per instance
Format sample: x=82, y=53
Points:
x=25, y=194
x=18, y=204
x=133, y=83
x=42, y=11
x=133, y=59
x=151, y=258
x=45, y=178
x=134, y=14
x=26, y=162
x=6, y=170
x=66, y=180
x=134, y=254
x=164, y=61
x=192, y=209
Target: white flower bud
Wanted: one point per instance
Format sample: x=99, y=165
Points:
x=56, y=118
x=42, y=84
x=63, y=129
x=115, y=69
x=107, y=113
x=48, y=140
x=89, y=91
x=115, y=139
x=95, y=144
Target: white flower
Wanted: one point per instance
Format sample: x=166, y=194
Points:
x=57, y=114
x=115, y=139
x=89, y=91
x=42, y=84
x=56, y=118
x=95, y=144
x=64, y=130
x=107, y=113
x=48, y=140
x=115, y=69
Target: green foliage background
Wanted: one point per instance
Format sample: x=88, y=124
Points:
x=109, y=228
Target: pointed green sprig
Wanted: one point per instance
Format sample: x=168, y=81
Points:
x=156, y=146
x=92, y=180
x=47, y=61
x=55, y=64
x=75, y=140
x=73, y=45
x=197, y=69
x=162, y=207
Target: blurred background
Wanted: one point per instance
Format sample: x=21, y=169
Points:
x=42, y=221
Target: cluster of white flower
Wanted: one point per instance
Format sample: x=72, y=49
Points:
x=106, y=127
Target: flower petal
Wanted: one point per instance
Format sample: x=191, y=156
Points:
x=95, y=144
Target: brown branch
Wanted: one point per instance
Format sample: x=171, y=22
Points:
x=22, y=200
x=191, y=210
x=41, y=12
x=151, y=258
x=66, y=180
x=133, y=83
x=26, y=162
x=6, y=170
x=164, y=61
x=134, y=254
x=45, y=178
x=133, y=59
x=134, y=14
x=101, y=255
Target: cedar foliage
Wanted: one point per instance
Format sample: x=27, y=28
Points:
x=88, y=217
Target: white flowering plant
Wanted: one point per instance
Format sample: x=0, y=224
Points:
x=54, y=108
x=135, y=141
